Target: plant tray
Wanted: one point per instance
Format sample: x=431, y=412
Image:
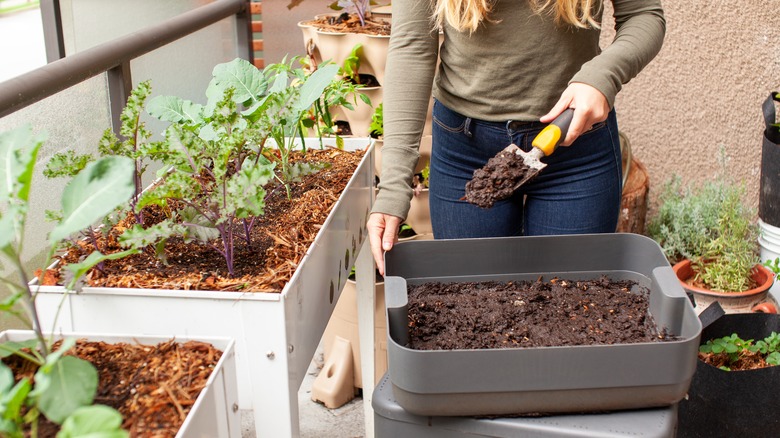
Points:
x=546, y=379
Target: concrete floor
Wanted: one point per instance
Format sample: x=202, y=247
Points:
x=317, y=421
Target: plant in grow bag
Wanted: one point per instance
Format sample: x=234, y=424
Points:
x=64, y=386
x=734, y=353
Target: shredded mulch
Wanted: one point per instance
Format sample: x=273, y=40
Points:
x=350, y=23
x=153, y=387
x=491, y=314
x=748, y=360
x=280, y=239
x=496, y=180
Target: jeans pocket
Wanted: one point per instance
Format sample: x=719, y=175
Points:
x=598, y=126
x=447, y=119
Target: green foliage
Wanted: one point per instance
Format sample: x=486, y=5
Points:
x=134, y=145
x=351, y=65
x=377, y=126
x=734, y=347
x=63, y=384
x=711, y=227
x=217, y=154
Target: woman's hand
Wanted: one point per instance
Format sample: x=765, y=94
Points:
x=590, y=107
x=383, y=234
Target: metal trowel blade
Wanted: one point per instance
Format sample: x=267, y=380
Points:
x=531, y=160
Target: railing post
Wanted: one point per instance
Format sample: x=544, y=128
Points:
x=52, y=24
x=244, y=33
x=120, y=84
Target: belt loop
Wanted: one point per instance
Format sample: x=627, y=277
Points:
x=467, y=127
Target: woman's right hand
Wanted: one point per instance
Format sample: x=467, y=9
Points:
x=382, y=234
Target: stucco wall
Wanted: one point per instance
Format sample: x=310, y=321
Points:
x=702, y=93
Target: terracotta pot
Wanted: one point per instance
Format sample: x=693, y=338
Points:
x=753, y=300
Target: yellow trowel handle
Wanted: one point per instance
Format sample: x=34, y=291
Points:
x=552, y=135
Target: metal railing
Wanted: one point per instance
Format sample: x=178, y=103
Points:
x=114, y=56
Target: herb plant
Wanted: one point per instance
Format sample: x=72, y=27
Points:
x=711, y=227
x=64, y=386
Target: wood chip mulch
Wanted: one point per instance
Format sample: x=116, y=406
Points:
x=153, y=387
x=350, y=23
x=280, y=239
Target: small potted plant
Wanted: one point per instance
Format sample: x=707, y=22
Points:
x=710, y=237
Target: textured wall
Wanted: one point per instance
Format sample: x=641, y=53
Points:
x=702, y=93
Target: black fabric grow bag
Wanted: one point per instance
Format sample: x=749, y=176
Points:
x=733, y=403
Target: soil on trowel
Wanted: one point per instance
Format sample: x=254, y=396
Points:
x=516, y=314
x=497, y=180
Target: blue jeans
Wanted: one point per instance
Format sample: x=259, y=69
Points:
x=578, y=192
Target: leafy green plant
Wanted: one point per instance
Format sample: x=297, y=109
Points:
x=351, y=65
x=710, y=226
x=774, y=266
x=217, y=156
x=377, y=126
x=64, y=386
x=134, y=145
x=735, y=348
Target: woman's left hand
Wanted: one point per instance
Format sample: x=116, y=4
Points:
x=590, y=107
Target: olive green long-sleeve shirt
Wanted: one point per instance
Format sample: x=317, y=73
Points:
x=514, y=67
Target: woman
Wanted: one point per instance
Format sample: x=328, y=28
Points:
x=507, y=68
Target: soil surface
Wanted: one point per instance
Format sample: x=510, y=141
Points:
x=747, y=360
x=350, y=23
x=496, y=180
x=280, y=239
x=449, y=316
x=153, y=387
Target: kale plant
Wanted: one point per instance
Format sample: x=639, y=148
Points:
x=217, y=157
x=132, y=144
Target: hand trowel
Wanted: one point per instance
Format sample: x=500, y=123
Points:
x=543, y=144
x=503, y=174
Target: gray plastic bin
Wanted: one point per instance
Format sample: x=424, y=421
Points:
x=547, y=379
x=390, y=420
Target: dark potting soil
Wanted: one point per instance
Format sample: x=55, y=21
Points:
x=496, y=180
x=492, y=314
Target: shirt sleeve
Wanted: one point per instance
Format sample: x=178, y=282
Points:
x=410, y=68
x=640, y=29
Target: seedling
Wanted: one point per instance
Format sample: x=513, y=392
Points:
x=735, y=348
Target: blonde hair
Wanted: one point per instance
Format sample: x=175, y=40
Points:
x=467, y=15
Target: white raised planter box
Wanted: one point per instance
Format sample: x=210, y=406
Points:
x=276, y=334
x=214, y=413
